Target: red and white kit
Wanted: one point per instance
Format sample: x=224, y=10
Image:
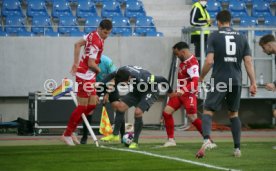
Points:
x=85, y=76
x=188, y=75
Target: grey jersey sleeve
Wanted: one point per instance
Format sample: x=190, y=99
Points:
x=210, y=46
x=247, y=51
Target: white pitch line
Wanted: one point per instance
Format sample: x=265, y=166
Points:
x=170, y=158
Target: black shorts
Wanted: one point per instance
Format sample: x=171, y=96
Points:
x=142, y=100
x=232, y=97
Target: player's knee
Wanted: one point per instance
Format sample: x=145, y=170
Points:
x=192, y=117
x=121, y=107
x=138, y=113
x=233, y=114
x=169, y=110
x=191, y=111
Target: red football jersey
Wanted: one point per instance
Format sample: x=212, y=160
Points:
x=93, y=49
x=187, y=70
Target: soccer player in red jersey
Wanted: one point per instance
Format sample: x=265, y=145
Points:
x=85, y=72
x=188, y=75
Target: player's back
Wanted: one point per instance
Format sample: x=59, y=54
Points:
x=229, y=48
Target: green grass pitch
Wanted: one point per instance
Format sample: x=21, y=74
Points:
x=255, y=156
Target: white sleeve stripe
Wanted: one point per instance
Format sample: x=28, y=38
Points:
x=193, y=18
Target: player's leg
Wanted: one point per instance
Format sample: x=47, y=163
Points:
x=92, y=101
x=172, y=105
x=85, y=130
x=146, y=101
x=233, y=103
x=120, y=107
x=212, y=104
x=189, y=101
x=74, y=119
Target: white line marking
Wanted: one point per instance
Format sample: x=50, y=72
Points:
x=170, y=158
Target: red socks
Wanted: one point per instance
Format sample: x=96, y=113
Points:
x=198, y=124
x=169, y=124
x=74, y=120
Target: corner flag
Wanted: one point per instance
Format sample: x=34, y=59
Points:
x=65, y=87
x=105, y=126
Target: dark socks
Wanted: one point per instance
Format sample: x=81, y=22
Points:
x=119, y=122
x=84, y=128
x=138, y=125
x=236, y=131
x=206, y=126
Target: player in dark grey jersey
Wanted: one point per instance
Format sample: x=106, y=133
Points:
x=144, y=93
x=226, y=50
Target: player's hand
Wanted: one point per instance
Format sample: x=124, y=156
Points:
x=200, y=79
x=253, y=89
x=270, y=86
x=179, y=92
x=105, y=98
x=74, y=69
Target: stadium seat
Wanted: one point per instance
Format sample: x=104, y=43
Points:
x=40, y=24
x=248, y=22
x=50, y=32
x=14, y=24
x=36, y=8
x=122, y=1
x=248, y=2
x=213, y=7
x=67, y=24
x=134, y=9
x=237, y=9
x=86, y=8
x=76, y=33
x=224, y=2
x=11, y=8
x=61, y=8
x=261, y=9
x=152, y=33
x=262, y=33
x=24, y=33
x=121, y=26
x=92, y=24
x=144, y=25
x=111, y=9
x=3, y=33
x=270, y=21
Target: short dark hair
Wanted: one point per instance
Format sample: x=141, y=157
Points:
x=106, y=24
x=122, y=75
x=224, y=16
x=181, y=45
x=266, y=39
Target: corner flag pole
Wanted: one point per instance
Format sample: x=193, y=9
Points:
x=85, y=120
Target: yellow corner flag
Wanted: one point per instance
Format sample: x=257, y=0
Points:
x=105, y=126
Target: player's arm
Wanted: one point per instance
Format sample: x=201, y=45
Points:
x=251, y=74
x=209, y=60
x=93, y=66
x=194, y=75
x=77, y=48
